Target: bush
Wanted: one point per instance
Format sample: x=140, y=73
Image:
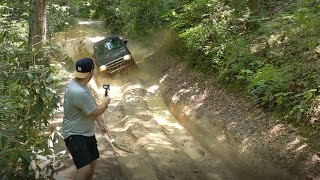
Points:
x=27, y=99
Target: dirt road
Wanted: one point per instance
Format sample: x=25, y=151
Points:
x=150, y=141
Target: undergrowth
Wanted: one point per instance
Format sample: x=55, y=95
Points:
x=276, y=61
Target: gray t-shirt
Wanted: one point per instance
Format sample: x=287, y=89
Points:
x=78, y=105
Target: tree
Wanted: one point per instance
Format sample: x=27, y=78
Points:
x=37, y=23
x=254, y=7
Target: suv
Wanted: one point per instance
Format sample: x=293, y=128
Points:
x=112, y=55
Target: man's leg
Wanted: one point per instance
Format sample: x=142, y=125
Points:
x=86, y=172
x=93, y=165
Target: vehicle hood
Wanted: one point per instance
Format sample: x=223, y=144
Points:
x=107, y=56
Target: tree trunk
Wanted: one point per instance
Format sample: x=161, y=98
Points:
x=254, y=10
x=254, y=7
x=38, y=23
x=37, y=28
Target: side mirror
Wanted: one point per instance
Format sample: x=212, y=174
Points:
x=125, y=41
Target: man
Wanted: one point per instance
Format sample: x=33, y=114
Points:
x=80, y=114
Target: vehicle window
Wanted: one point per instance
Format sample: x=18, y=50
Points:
x=113, y=44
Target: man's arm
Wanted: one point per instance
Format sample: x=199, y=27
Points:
x=99, y=111
x=101, y=124
x=101, y=108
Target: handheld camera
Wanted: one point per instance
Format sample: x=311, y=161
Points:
x=106, y=87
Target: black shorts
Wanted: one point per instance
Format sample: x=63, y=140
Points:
x=83, y=149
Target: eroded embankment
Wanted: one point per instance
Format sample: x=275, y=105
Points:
x=247, y=138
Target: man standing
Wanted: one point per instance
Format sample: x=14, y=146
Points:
x=80, y=114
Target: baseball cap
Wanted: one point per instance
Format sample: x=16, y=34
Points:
x=83, y=67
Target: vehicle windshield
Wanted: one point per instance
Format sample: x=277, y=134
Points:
x=113, y=44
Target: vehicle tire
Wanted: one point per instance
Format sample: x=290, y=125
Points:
x=134, y=65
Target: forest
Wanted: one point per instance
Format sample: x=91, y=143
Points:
x=269, y=50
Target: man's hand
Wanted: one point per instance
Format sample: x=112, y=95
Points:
x=106, y=100
x=104, y=129
x=102, y=125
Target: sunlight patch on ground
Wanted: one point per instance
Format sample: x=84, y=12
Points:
x=90, y=22
x=254, y=49
x=246, y=144
x=115, y=93
x=130, y=98
x=231, y=125
x=85, y=22
x=163, y=121
x=274, y=40
x=277, y=129
x=176, y=96
x=188, y=110
x=293, y=143
x=314, y=160
x=150, y=148
x=129, y=123
x=66, y=174
x=153, y=140
x=106, y=154
x=95, y=39
x=153, y=89
x=221, y=138
x=132, y=165
x=197, y=100
x=164, y=77
x=300, y=148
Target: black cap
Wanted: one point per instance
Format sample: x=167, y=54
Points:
x=83, y=67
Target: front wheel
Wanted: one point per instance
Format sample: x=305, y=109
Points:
x=134, y=65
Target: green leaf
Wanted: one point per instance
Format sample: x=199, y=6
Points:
x=279, y=100
x=42, y=92
x=26, y=157
x=309, y=94
x=6, y=75
x=3, y=141
x=31, y=76
x=55, y=100
x=38, y=107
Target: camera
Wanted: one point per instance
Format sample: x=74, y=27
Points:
x=106, y=87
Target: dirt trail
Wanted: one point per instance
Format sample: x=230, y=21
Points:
x=164, y=123
x=148, y=144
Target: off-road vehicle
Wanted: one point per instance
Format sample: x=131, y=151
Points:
x=112, y=55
